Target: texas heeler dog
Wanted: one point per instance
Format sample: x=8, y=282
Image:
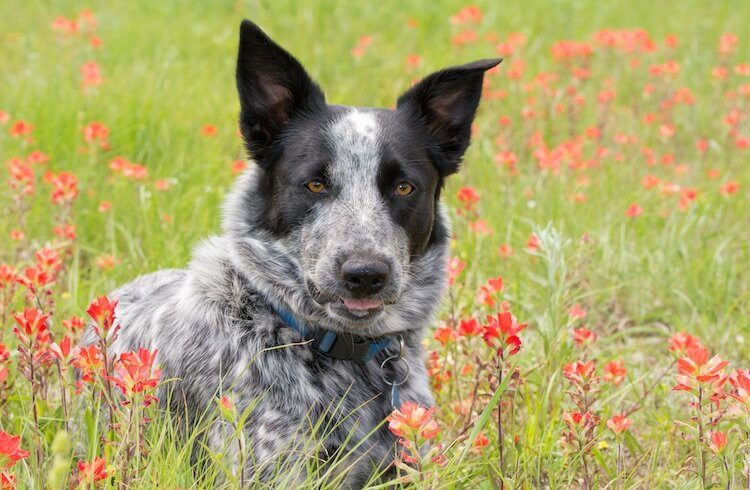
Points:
x=310, y=307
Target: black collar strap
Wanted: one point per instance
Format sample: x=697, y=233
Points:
x=342, y=346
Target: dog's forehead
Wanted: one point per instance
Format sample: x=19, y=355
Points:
x=355, y=139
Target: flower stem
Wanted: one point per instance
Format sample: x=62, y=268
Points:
x=500, y=435
x=701, y=452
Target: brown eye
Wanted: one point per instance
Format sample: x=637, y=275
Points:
x=316, y=187
x=403, y=189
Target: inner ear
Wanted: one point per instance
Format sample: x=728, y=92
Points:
x=273, y=87
x=445, y=103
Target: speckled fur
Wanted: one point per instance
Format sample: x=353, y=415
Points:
x=215, y=329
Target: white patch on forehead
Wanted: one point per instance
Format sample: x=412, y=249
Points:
x=356, y=147
x=355, y=135
x=362, y=123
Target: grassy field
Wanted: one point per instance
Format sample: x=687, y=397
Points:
x=607, y=184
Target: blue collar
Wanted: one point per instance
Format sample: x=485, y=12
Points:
x=342, y=346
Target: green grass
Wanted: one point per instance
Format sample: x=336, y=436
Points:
x=169, y=69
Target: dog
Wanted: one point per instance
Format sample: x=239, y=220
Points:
x=309, y=309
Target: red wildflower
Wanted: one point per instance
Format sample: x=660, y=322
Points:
x=106, y=262
x=614, y=372
x=718, y=441
x=209, y=130
x=65, y=187
x=503, y=330
x=91, y=472
x=67, y=231
x=91, y=75
x=48, y=260
x=469, y=14
x=7, y=481
x=412, y=420
x=359, y=50
x=469, y=328
x=496, y=283
x=64, y=25
x=7, y=276
x=697, y=367
x=485, y=295
x=21, y=177
x=728, y=43
x=619, y=424
x=568, y=50
x=96, y=132
x=468, y=196
x=445, y=334
x=650, y=181
x=681, y=342
x=505, y=251
x=464, y=37
x=455, y=267
x=480, y=441
x=227, y=408
x=74, y=324
x=583, y=336
x=533, y=244
x=89, y=360
x=413, y=61
x=34, y=279
x=226, y=402
x=20, y=128
x=576, y=312
x=238, y=166
x=633, y=211
x=577, y=421
x=102, y=311
x=135, y=373
x=580, y=373
x=63, y=351
x=729, y=188
x=10, y=450
x=32, y=327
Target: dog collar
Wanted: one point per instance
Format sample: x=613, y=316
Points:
x=342, y=346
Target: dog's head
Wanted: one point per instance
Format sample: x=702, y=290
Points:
x=352, y=193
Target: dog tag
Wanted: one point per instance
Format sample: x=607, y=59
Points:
x=395, y=399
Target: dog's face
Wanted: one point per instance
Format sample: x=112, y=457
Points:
x=352, y=193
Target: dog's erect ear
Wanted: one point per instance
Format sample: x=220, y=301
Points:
x=446, y=102
x=272, y=86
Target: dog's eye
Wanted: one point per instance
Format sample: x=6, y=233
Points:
x=403, y=189
x=316, y=187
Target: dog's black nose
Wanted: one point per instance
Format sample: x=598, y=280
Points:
x=364, y=278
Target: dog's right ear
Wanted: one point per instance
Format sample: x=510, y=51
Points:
x=272, y=86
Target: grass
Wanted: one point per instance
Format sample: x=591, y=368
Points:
x=168, y=70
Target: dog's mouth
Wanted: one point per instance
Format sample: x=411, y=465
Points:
x=354, y=309
x=358, y=308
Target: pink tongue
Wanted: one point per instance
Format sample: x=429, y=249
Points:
x=362, y=304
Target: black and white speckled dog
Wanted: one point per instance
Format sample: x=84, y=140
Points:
x=334, y=241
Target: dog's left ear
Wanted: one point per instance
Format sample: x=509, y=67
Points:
x=446, y=103
x=273, y=88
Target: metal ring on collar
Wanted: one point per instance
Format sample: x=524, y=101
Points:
x=393, y=360
x=400, y=353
